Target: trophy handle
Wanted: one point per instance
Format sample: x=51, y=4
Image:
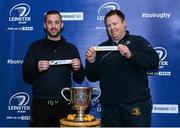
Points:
x=96, y=89
x=62, y=93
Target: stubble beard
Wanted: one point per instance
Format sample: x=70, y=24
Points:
x=53, y=34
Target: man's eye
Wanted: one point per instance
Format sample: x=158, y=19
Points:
x=57, y=22
x=114, y=23
x=107, y=26
x=49, y=22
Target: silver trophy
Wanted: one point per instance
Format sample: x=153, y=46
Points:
x=80, y=99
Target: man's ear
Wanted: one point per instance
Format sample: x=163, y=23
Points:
x=62, y=25
x=44, y=26
x=124, y=23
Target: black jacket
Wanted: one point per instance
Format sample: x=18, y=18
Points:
x=48, y=84
x=124, y=80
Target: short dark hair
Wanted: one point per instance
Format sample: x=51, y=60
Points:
x=52, y=12
x=115, y=12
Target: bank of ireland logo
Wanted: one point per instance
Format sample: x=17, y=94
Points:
x=162, y=52
x=18, y=102
x=103, y=9
x=19, y=13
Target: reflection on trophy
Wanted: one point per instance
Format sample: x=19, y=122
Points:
x=80, y=99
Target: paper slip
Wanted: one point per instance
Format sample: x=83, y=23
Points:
x=105, y=48
x=60, y=62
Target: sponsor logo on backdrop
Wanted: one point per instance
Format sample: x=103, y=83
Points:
x=72, y=16
x=161, y=15
x=18, y=14
x=19, y=102
x=98, y=109
x=165, y=108
x=103, y=9
x=14, y=62
x=159, y=108
x=162, y=52
x=18, y=117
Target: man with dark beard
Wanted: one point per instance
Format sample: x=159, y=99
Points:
x=49, y=65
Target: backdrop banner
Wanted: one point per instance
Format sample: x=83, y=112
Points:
x=22, y=23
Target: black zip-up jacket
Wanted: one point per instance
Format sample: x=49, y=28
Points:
x=48, y=84
x=124, y=80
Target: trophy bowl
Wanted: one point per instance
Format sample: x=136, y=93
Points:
x=80, y=99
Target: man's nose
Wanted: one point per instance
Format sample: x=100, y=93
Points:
x=53, y=25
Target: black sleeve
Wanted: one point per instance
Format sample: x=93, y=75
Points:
x=144, y=56
x=92, y=71
x=78, y=76
x=29, y=66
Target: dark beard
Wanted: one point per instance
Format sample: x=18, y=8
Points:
x=56, y=35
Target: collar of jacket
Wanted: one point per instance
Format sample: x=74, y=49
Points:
x=121, y=41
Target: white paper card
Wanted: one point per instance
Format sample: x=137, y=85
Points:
x=105, y=48
x=60, y=62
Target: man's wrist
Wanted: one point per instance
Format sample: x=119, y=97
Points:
x=92, y=61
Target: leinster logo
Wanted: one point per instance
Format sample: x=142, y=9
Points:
x=20, y=10
x=162, y=52
x=103, y=9
x=20, y=98
x=18, y=102
x=19, y=13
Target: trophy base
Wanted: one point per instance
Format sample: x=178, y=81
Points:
x=80, y=117
x=69, y=123
x=78, y=120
